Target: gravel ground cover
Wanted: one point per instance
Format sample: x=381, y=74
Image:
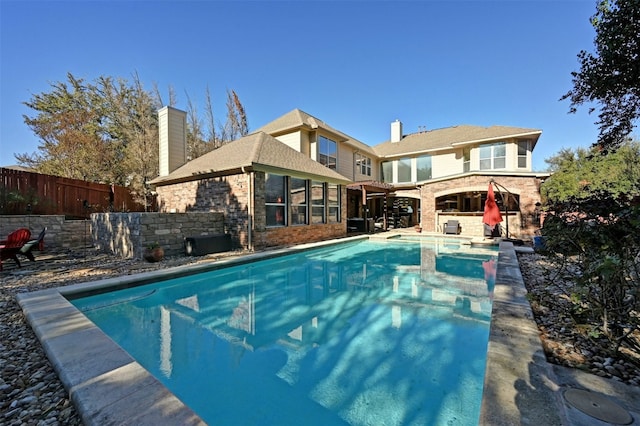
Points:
x=569, y=341
x=32, y=394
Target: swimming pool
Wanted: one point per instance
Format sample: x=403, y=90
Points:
x=363, y=333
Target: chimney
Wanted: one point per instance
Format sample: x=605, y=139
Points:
x=396, y=131
x=172, y=126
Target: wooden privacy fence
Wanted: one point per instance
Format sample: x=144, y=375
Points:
x=33, y=193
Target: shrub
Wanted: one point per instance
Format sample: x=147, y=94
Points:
x=600, y=235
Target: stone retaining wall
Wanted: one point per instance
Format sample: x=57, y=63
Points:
x=61, y=234
x=129, y=234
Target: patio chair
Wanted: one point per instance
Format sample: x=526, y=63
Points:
x=26, y=250
x=452, y=227
x=10, y=247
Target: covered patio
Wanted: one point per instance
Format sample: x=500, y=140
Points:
x=367, y=206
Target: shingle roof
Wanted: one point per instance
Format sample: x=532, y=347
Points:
x=257, y=151
x=299, y=119
x=449, y=137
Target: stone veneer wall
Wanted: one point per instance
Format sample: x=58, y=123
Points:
x=226, y=195
x=61, y=234
x=229, y=195
x=527, y=187
x=128, y=234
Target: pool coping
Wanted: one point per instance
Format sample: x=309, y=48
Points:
x=108, y=387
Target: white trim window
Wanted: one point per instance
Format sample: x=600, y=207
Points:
x=423, y=168
x=493, y=156
x=386, y=168
x=275, y=200
x=404, y=170
x=466, y=159
x=523, y=153
x=363, y=164
x=327, y=152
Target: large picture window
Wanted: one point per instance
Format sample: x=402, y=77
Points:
x=404, y=170
x=327, y=152
x=423, y=168
x=493, y=156
x=275, y=200
x=333, y=202
x=317, y=202
x=387, y=171
x=298, y=197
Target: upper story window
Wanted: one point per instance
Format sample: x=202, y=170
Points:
x=275, y=199
x=409, y=169
x=363, y=164
x=493, y=156
x=298, y=196
x=523, y=151
x=327, y=152
x=404, y=170
x=423, y=168
x=466, y=160
x=387, y=171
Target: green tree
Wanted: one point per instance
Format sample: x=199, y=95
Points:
x=611, y=75
x=107, y=131
x=578, y=174
x=139, y=127
x=73, y=143
x=593, y=226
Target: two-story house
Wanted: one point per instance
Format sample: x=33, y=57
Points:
x=297, y=179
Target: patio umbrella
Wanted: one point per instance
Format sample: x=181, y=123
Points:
x=492, y=215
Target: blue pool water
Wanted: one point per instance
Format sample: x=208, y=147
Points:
x=366, y=333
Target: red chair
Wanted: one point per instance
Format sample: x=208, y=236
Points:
x=37, y=244
x=10, y=247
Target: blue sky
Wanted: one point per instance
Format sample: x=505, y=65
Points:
x=357, y=65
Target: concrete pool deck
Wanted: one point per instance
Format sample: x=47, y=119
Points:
x=108, y=387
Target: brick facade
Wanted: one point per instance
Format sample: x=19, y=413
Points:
x=230, y=195
x=521, y=224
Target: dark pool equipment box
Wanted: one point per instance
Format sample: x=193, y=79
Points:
x=207, y=244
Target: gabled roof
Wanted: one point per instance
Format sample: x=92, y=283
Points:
x=298, y=119
x=255, y=152
x=450, y=137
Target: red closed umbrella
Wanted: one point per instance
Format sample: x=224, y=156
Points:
x=492, y=215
